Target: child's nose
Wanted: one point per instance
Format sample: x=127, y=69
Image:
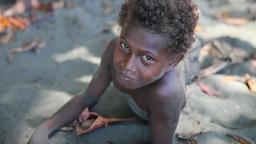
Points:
x=130, y=63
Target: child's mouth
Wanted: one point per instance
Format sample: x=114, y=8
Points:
x=124, y=79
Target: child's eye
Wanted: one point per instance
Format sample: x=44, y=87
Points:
x=124, y=45
x=147, y=58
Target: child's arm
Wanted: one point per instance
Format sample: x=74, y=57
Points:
x=73, y=108
x=164, y=116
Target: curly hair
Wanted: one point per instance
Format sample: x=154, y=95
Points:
x=175, y=18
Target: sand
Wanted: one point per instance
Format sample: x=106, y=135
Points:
x=35, y=85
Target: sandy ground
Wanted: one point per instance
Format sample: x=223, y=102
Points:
x=35, y=85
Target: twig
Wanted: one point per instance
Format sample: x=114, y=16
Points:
x=36, y=44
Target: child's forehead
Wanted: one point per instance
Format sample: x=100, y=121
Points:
x=138, y=36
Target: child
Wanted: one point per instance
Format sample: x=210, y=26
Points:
x=141, y=62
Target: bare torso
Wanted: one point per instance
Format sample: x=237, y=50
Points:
x=142, y=96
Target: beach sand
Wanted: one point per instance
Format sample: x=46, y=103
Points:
x=36, y=85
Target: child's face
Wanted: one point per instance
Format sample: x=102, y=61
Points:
x=139, y=57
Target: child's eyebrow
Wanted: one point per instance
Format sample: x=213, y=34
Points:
x=148, y=51
x=124, y=39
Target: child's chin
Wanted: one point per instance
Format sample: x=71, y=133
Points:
x=129, y=86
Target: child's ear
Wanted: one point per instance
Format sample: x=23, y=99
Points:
x=170, y=67
x=174, y=62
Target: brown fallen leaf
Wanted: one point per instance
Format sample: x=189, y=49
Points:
x=239, y=139
x=90, y=121
x=18, y=23
x=233, y=78
x=8, y=27
x=15, y=23
x=51, y=6
x=4, y=24
x=247, y=80
x=34, y=46
x=225, y=17
x=224, y=54
x=190, y=138
x=251, y=83
x=236, y=21
x=206, y=89
x=224, y=50
x=199, y=28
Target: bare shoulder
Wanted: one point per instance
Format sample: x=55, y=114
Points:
x=107, y=56
x=169, y=90
x=109, y=51
x=166, y=101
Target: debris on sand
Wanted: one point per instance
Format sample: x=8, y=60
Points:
x=10, y=25
x=232, y=19
x=248, y=80
x=191, y=138
x=238, y=139
x=251, y=83
x=34, y=46
x=51, y=6
x=90, y=121
x=15, y=23
x=207, y=90
x=224, y=53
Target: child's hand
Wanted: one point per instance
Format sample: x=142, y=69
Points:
x=40, y=136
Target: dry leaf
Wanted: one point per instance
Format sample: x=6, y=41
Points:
x=51, y=6
x=199, y=28
x=247, y=80
x=206, y=89
x=236, y=21
x=225, y=17
x=239, y=139
x=36, y=44
x=46, y=7
x=224, y=50
x=90, y=121
x=18, y=23
x=233, y=78
x=8, y=27
x=4, y=24
x=251, y=83
x=13, y=23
